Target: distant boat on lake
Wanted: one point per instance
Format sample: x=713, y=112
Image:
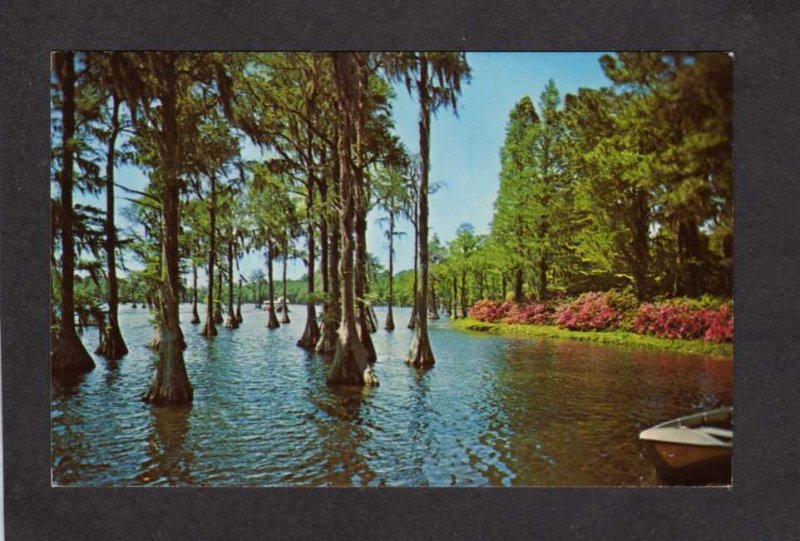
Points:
x=278, y=306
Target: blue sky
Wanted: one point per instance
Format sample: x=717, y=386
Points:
x=464, y=149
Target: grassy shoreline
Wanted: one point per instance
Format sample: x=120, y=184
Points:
x=616, y=338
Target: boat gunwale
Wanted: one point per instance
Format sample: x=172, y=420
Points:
x=675, y=431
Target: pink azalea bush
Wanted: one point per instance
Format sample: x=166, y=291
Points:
x=488, y=310
x=530, y=313
x=596, y=311
x=685, y=319
x=720, y=326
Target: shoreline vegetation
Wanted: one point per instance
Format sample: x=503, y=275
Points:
x=615, y=337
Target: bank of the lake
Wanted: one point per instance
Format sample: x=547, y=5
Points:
x=616, y=338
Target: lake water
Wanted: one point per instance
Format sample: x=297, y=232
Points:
x=494, y=411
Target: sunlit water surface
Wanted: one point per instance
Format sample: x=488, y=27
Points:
x=493, y=411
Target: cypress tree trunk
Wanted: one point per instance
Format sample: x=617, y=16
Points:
x=285, y=307
x=464, y=294
x=372, y=318
x=434, y=310
x=311, y=332
x=420, y=354
x=195, y=314
x=389, y=326
x=239, y=317
x=350, y=364
x=272, y=319
x=171, y=383
x=209, y=327
x=360, y=195
x=412, y=322
x=329, y=332
x=230, y=315
x=218, y=297
x=68, y=353
x=324, y=242
x=454, y=299
x=113, y=346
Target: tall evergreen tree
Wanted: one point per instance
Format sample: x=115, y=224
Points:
x=67, y=352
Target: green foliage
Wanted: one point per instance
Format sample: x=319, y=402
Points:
x=627, y=186
x=622, y=188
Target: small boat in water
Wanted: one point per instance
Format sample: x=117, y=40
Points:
x=696, y=448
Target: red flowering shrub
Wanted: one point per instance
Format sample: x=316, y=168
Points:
x=531, y=313
x=595, y=311
x=720, y=326
x=685, y=319
x=488, y=311
x=688, y=319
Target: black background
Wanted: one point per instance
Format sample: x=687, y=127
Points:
x=763, y=503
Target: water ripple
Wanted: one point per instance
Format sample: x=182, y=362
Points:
x=494, y=411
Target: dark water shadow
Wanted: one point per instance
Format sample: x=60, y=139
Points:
x=112, y=373
x=67, y=385
x=341, y=426
x=169, y=460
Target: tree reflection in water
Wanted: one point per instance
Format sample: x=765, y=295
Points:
x=112, y=372
x=341, y=437
x=419, y=433
x=169, y=460
x=69, y=445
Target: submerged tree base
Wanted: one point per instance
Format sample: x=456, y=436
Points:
x=175, y=394
x=420, y=354
x=174, y=390
x=389, y=326
x=230, y=321
x=412, y=321
x=195, y=316
x=366, y=340
x=350, y=366
x=209, y=329
x=272, y=320
x=372, y=319
x=155, y=341
x=69, y=355
x=113, y=346
x=310, y=335
x=328, y=337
